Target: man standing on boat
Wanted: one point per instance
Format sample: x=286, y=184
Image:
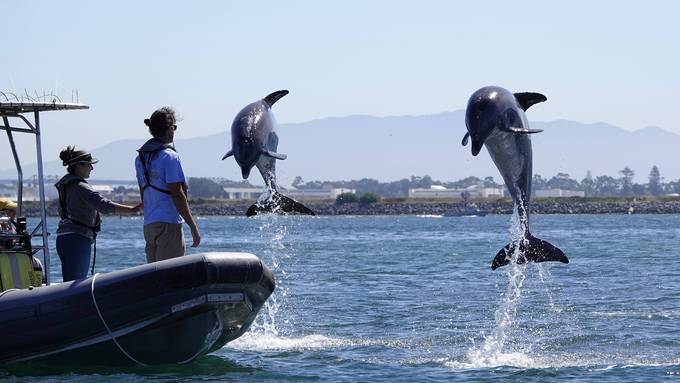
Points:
x=163, y=189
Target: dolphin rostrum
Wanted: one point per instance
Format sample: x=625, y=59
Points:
x=495, y=118
x=254, y=143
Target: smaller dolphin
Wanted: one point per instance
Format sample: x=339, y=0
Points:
x=254, y=143
x=495, y=118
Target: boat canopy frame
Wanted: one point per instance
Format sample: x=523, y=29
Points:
x=13, y=107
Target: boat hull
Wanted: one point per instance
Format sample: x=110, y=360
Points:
x=165, y=312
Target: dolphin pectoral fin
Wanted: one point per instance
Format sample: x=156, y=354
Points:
x=531, y=249
x=527, y=99
x=520, y=130
x=271, y=98
x=271, y=154
x=512, y=122
x=465, y=139
x=229, y=154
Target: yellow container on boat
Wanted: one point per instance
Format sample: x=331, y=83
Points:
x=16, y=271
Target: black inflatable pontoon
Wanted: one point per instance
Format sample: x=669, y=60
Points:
x=165, y=312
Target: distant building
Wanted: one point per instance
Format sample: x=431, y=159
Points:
x=102, y=189
x=242, y=193
x=440, y=192
x=557, y=193
x=234, y=193
x=317, y=194
x=30, y=193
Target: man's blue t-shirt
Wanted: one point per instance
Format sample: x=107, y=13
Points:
x=165, y=168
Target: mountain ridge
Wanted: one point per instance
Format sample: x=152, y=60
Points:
x=389, y=148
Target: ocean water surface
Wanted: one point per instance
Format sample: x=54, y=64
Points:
x=408, y=298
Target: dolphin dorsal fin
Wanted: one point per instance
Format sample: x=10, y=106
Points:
x=274, y=97
x=527, y=99
x=229, y=154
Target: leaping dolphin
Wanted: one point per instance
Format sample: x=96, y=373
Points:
x=495, y=118
x=254, y=143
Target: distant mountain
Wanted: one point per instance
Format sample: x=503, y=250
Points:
x=391, y=148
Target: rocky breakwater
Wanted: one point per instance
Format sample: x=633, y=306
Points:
x=504, y=206
x=410, y=207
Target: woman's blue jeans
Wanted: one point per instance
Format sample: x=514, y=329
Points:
x=75, y=252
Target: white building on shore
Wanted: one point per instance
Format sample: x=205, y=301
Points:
x=557, y=193
x=235, y=193
x=441, y=192
x=317, y=194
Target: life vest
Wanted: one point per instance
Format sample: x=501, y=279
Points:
x=63, y=213
x=146, y=165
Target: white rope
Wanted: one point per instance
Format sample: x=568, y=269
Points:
x=113, y=338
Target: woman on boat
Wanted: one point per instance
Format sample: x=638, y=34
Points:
x=79, y=209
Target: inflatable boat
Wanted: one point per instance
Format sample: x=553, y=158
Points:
x=170, y=311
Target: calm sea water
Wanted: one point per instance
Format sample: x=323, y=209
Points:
x=414, y=299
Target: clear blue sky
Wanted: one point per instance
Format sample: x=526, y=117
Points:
x=611, y=61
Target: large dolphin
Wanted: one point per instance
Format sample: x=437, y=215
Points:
x=254, y=143
x=495, y=118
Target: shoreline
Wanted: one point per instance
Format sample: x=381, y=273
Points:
x=644, y=205
x=452, y=208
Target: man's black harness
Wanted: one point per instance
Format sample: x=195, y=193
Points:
x=146, y=165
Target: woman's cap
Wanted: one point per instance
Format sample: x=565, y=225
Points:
x=84, y=158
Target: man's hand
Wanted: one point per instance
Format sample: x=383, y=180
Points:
x=196, y=236
x=179, y=199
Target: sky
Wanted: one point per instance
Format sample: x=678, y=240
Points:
x=603, y=61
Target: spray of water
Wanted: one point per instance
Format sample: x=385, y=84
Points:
x=273, y=233
x=274, y=327
x=491, y=351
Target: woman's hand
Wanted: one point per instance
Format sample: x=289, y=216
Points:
x=125, y=209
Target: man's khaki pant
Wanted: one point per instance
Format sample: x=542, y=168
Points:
x=163, y=241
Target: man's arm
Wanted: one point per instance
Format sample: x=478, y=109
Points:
x=179, y=199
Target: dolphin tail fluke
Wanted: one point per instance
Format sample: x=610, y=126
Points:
x=270, y=99
x=290, y=205
x=253, y=210
x=531, y=249
x=278, y=203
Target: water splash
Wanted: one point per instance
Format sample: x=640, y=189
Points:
x=491, y=351
x=277, y=255
x=267, y=342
